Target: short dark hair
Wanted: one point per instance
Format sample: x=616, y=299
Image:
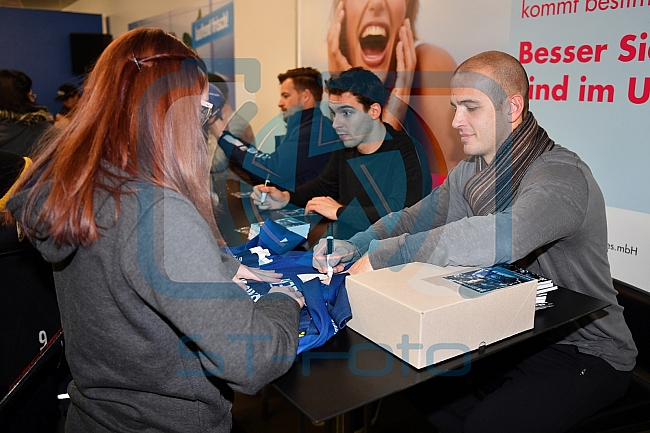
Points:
x=506, y=73
x=305, y=78
x=362, y=83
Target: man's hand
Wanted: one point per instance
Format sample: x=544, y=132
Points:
x=296, y=295
x=273, y=197
x=336, y=61
x=325, y=206
x=257, y=274
x=362, y=265
x=342, y=254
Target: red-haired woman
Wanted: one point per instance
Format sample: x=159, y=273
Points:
x=157, y=333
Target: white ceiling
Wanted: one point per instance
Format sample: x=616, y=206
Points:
x=56, y=5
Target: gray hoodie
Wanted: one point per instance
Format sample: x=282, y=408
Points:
x=157, y=334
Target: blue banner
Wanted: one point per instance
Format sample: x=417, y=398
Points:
x=213, y=26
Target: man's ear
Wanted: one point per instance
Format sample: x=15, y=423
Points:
x=307, y=97
x=515, y=108
x=375, y=111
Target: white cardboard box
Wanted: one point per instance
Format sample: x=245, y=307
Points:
x=413, y=304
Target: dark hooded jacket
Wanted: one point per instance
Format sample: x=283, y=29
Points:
x=19, y=133
x=29, y=317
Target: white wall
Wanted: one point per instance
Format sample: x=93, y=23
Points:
x=267, y=31
x=263, y=30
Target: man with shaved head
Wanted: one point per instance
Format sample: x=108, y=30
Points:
x=519, y=198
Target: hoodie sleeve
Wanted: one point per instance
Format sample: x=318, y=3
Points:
x=175, y=265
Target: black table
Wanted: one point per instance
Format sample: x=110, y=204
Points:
x=237, y=213
x=350, y=371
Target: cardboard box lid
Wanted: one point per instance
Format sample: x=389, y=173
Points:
x=415, y=302
x=430, y=290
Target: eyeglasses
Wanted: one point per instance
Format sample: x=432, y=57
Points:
x=206, y=111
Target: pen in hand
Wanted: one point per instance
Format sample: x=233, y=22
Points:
x=266, y=183
x=330, y=248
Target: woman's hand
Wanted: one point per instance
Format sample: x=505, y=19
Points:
x=294, y=294
x=395, y=109
x=257, y=274
x=336, y=61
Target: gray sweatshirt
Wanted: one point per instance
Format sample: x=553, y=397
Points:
x=157, y=334
x=556, y=227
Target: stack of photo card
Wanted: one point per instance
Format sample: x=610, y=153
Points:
x=544, y=285
x=496, y=277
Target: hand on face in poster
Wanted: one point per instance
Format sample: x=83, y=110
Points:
x=269, y=197
x=406, y=62
x=336, y=60
x=325, y=206
x=343, y=252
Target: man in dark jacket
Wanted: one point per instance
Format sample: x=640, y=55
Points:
x=379, y=171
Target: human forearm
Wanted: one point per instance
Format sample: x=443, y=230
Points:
x=230, y=265
x=416, y=218
x=314, y=188
x=274, y=343
x=325, y=185
x=546, y=211
x=240, y=153
x=453, y=244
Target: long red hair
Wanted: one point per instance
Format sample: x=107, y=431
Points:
x=139, y=118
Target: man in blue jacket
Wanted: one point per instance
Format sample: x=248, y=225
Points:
x=303, y=152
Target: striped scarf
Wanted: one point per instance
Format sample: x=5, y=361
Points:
x=493, y=186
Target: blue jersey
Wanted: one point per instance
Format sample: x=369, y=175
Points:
x=327, y=308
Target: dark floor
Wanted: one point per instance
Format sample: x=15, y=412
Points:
x=394, y=414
